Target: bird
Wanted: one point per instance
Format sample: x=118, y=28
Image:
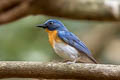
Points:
x=65, y=43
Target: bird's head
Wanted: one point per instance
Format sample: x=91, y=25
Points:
x=52, y=25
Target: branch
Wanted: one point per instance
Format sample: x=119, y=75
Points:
x=74, y=9
x=13, y=10
x=80, y=9
x=59, y=70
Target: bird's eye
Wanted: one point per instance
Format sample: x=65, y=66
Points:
x=50, y=23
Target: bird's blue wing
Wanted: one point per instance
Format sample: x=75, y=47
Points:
x=74, y=41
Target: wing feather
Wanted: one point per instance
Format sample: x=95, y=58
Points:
x=73, y=40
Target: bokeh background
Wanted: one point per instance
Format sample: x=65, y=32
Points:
x=23, y=41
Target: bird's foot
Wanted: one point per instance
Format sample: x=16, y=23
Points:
x=69, y=62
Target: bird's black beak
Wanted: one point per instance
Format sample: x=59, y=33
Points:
x=42, y=26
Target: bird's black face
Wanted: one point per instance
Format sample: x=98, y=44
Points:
x=50, y=25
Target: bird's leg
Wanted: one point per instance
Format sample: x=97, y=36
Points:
x=69, y=62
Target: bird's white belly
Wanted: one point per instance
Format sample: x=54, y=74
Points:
x=66, y=51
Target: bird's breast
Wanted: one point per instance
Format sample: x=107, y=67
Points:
x=60, y=47
x=53, y=37
x=65, y=51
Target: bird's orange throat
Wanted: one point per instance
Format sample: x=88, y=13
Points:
x=53, y=37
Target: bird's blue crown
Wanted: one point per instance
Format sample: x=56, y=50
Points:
x=53, y=24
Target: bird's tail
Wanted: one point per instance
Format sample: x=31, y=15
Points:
x=87, y=59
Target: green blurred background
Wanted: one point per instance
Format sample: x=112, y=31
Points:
x=23, y=41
